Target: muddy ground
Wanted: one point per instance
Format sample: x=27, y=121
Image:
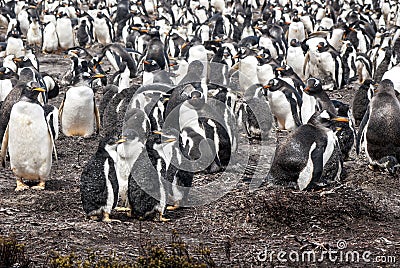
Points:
x=362, y=212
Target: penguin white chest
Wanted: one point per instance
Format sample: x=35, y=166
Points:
x=77, y=118
x=65, y=33
x=30, y=145
x=102, y=31
x=15, y=47
x=280, y=108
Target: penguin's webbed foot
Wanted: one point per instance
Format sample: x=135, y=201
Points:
x=40, y=186
x=21, y=186
x=106, y=218
x=174, y=207
x=122, y=209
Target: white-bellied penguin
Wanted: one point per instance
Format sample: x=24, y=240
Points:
x=29, y=140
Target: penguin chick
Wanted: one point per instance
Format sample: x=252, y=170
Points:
x=29, y=140
x=379, y=130
x=99, y=184
x=361, y=100
x=310, y=155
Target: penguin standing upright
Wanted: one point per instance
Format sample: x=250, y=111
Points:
x=29, y=140
x=103, y=29
x=135, y=130
x=285, y=103
x=83, y=34
x=98, y=183
x=155, y=51
x=309, y=158
x=78, y=111
x=361, y=100
x=34, y=36
x=146, y=183
x=295, y=57
x=379, y=130
x=50, y=38
x=64, y=31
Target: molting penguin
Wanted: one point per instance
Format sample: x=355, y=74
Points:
x=146, y=184
x=99, y=184
x=29, y=140
x=310, y=156
x=379, y=130
x=78, y=111
x=50, y=38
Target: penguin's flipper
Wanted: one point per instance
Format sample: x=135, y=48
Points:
x=4, y=146
x=293, y=108
x=317, y=157
x=60, y=111
x=97, y=115
x=360, y=133
x=52, y=140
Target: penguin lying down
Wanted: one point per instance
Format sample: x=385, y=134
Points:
x=310, y=156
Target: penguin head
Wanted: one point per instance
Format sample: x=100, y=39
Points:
x=385, y=86
x=326, y=119
x=273, y=85
x=151, y=65
x=313, y=86
x=31, y=90
x=322, y=47
x=295, y=43
x=136, y=124
x=284, y=70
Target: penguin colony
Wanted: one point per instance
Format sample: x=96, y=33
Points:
x=270, y=63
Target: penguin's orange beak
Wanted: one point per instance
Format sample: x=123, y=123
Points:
x=121, y=140
x=341, y=119
x=184, y=45
x=259, y=56
x=170, y=140
x=267, y=86
x=157, y=132
x=280, y=69
x=146, y=62
x=17, y=59
x=306, y=89
x=319, y=46
x=135, y=28
x=98, y=76
x=40, y=89
x=236, y=56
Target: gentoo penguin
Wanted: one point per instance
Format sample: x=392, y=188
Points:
x=314, y=88
x=295, y=57
x=50, y=38
x=64, y=31
x=34, y=36
x=309, y=158
x=15, y=45
x=379, y=130
x=361, y=100
x=247, y=67
x=29, y=140
x=330, y=63
x=99, y=184
x=116, y=54
x=103, y=29
x=78, y=111
x=285, y=103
